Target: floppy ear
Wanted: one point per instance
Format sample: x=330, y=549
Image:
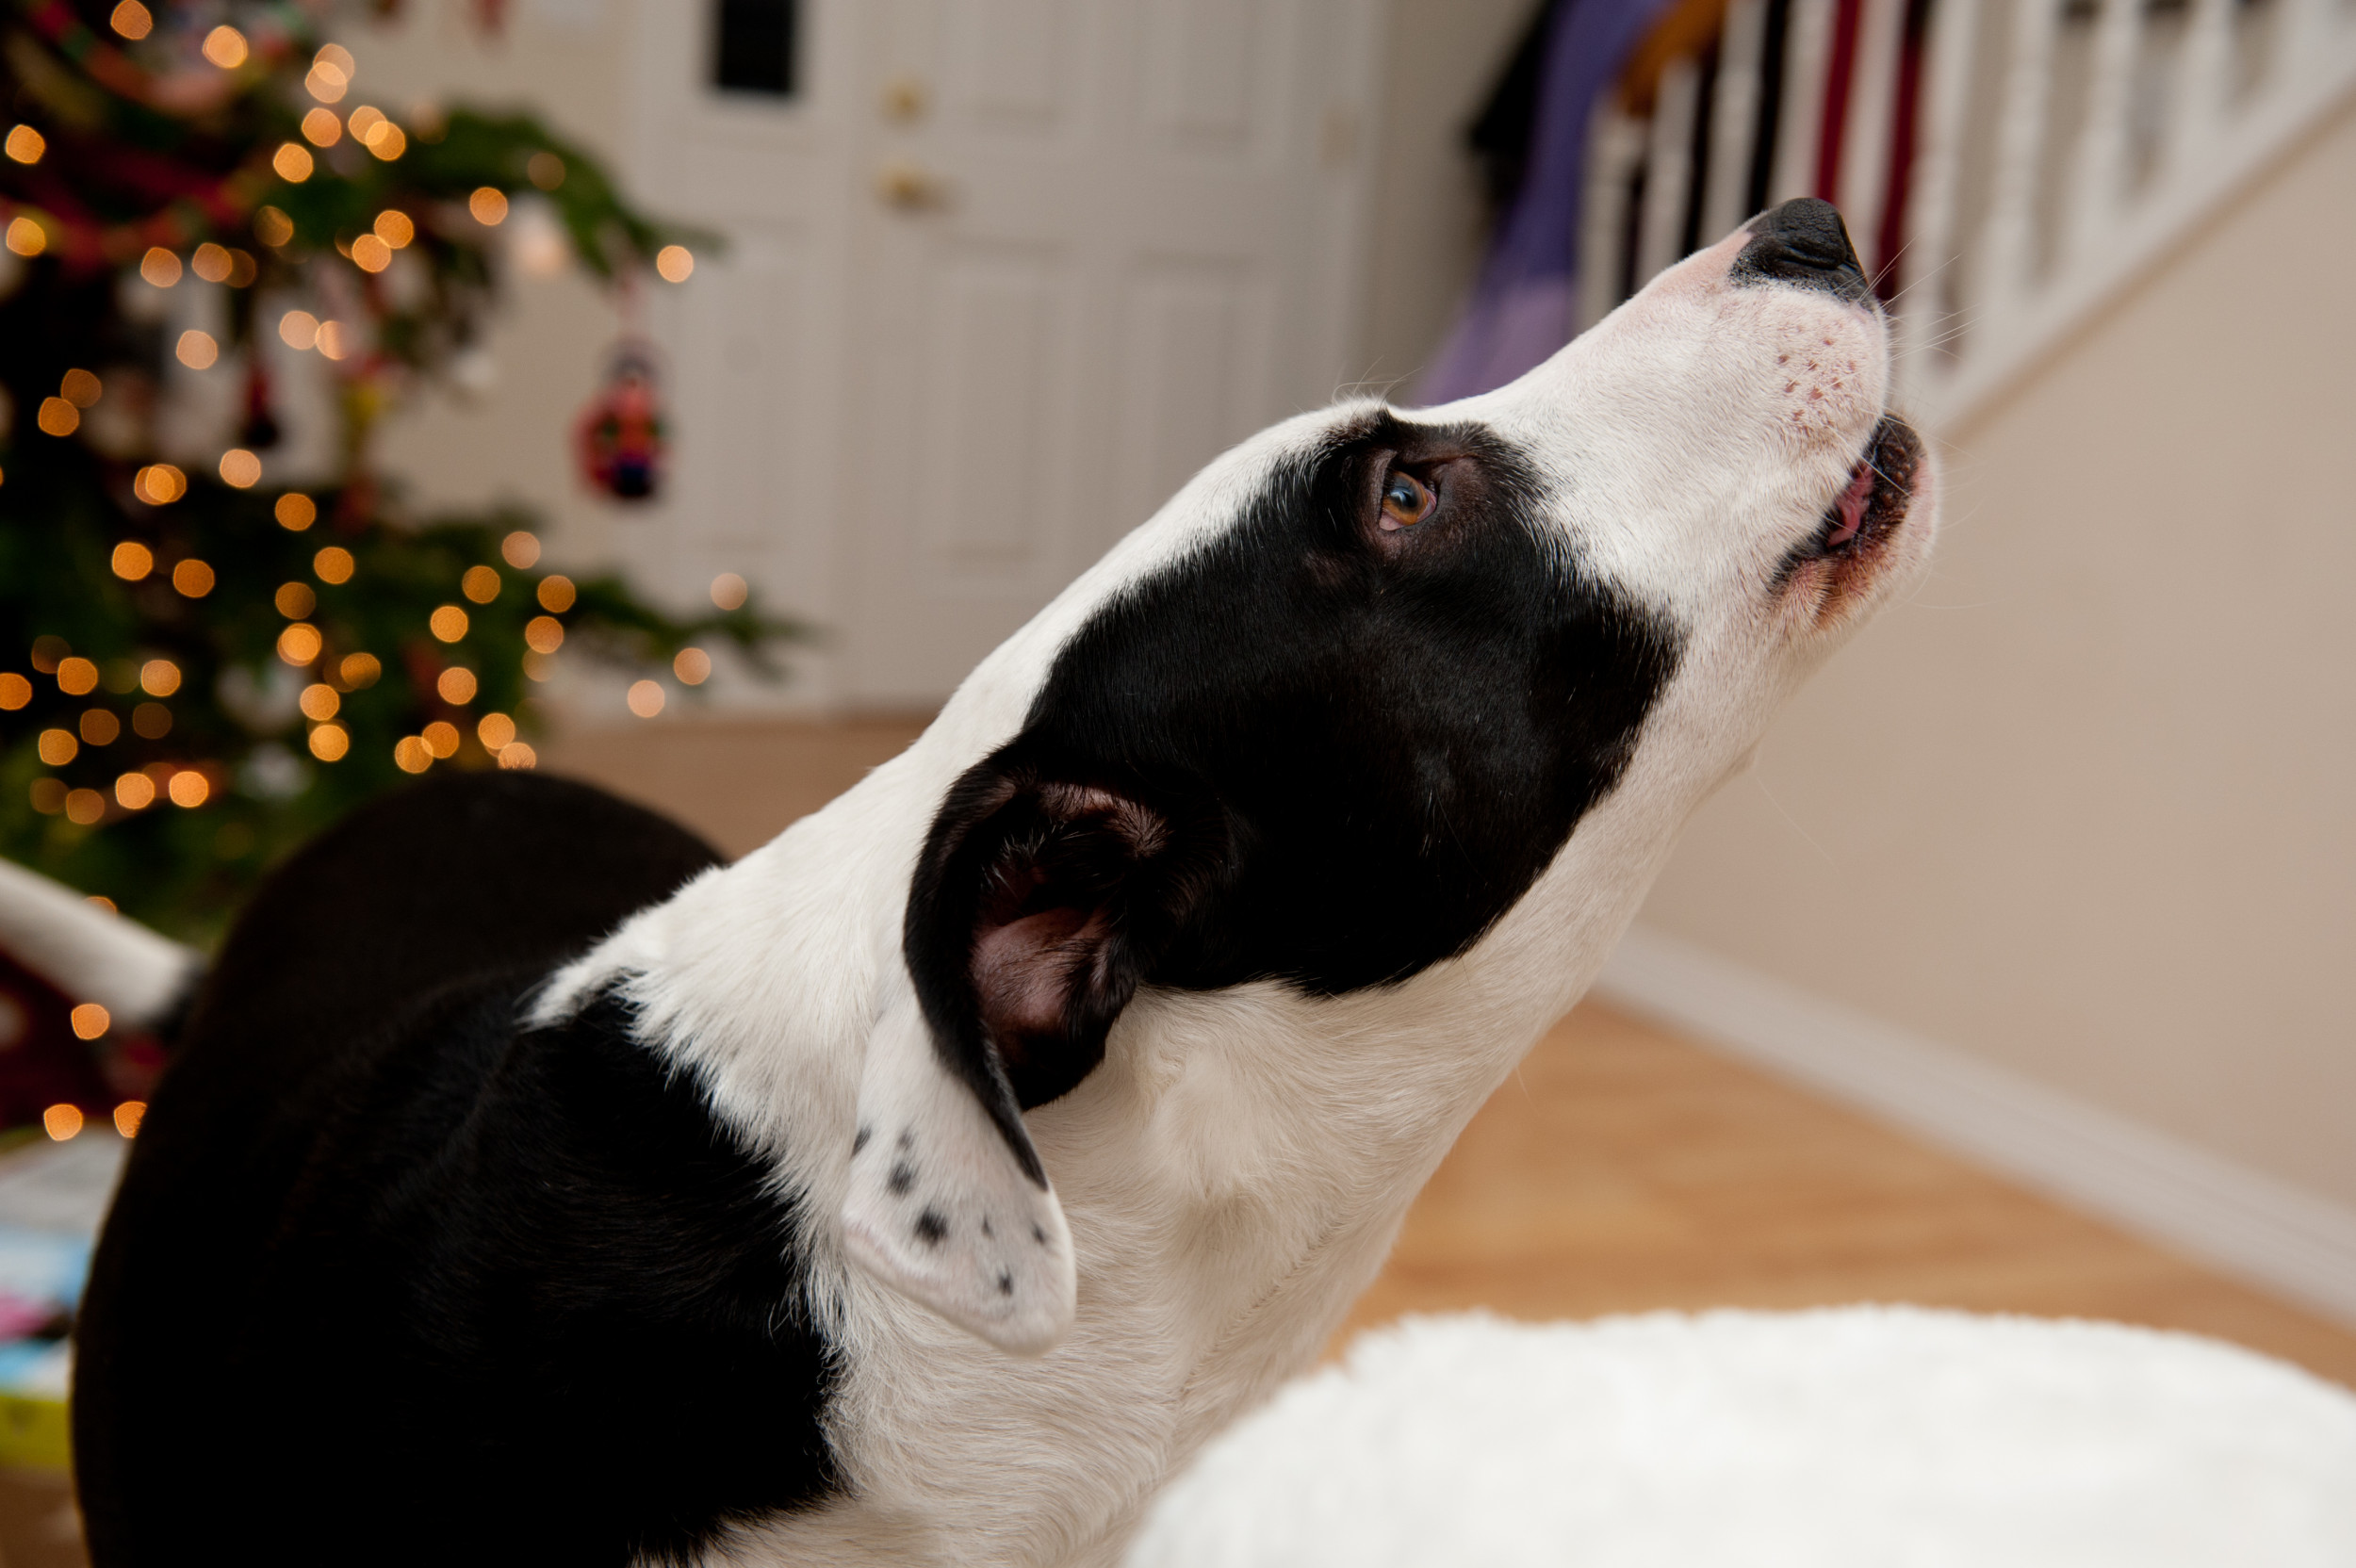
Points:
x=1036, y=908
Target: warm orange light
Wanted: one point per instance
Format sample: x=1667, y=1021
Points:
x=456, y=686
x=77, y=676
x=693, y=666
x=152, y=720
x=519, y=755
x=329, y=743
x=159, y=267
x=365, y=120
x=241, y=469
x=481, y=584
x=128, y=1116
x=543, y=634
x=333, y=564
x=393, y=226
x=131, y=20
x=159, y=485
x=496, y=731
x=519, y=549
x=58, y=747
x=90, y=1020
x=80, y=388
x=48, y=796
x=295, y=600
x=448, y=623
x=371, y=255
x=728, y=591
x=226, y=47
x=677, y=263
x=298, y=329
x=83, y=807
x=387, y=142
x=58, y=417
x=188, y=789
x=440, y=738
x=63, y=1121
x=15, y=691
x=411, y=756
x=159, y=678
x=26, y=145
x=488, y=205
x=359, y=670
x=134, y=792
x=192, y=578
x=292, y=161
x=327, y=83
x=645, y=698
x=321, y=127
x=336, y=339
x=556, y=593
x=197, y=350
x=300, y=644
x=273, y=227
x=99, y=728
x=212, y=262
x=102, y=900
x=133, y=561
x=295, y=512
x=318, y=702
x=27, y=237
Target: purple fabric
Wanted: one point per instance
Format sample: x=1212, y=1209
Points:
x=1522, y=308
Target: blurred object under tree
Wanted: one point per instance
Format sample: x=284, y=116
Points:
x=211, y=644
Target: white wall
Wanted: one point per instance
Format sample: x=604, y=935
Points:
x=2086, y=807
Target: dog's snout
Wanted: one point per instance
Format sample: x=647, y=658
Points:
x=1803, y=243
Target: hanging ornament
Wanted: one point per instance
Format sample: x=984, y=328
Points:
x=619, y=436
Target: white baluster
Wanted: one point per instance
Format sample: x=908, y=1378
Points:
x=1800, y=119
x=2305, y=33
x=1668, y=168
x=2001, y=285
x=1865, y=146
x=1615, y=146
x=1734, y=119
x=2098, y=182
x=1926, y=277
x=2196, y=109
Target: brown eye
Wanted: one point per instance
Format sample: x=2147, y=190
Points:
x=1406, y=500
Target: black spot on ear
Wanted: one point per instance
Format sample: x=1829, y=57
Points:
x=931, y=1227
x=860, y=1142
x=902, y=1178
x=1038, y=1235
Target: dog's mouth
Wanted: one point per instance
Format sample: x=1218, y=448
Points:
x=1872, y=505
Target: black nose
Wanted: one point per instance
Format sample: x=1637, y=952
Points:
x=1803, y=243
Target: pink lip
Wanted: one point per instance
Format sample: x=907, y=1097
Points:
x=1852, y=504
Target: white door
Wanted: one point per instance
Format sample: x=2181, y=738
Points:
x=1002, y=276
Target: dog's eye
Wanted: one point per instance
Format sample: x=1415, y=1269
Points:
x=1406, y=500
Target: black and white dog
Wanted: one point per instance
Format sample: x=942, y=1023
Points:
x=924, y=1187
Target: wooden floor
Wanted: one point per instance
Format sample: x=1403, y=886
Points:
x=1622, y=1169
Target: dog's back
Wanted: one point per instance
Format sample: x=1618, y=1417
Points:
x=362, y=1016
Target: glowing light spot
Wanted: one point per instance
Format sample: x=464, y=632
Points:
x=543, y=634
x=440, y=738
x=295, y=512
x=241, y=469
x=496, y=731
x=27, y=237
x=728, y=591
x=58, y=417
x=133, y=561
x=26, y=145
x=295, y=600
x=134, y=792
x=488, y=205
x=150, y=721
x=360, y=671
x=321, y=127
x=159, y=678
x=456, y=686
x=77, y=676
x=519, y=755
x=387, y=142
x=329, y=743
x=448, y=623
x=58, y=747
x=188, y=789
x=292, y=161
x=411, y=756
x=327, y=81
x=333, y=564
x=47, y=651
x=89, y=1021
x=15, y=691
x=519, y=549
x=48, y=797
x=241, y=269
x=63, y=1121
x=212, y=262
x=538, y=665
x=83, y=807
x=318, y=702
x=197, y=350
x=192, y=578
x=339, y=56
x=273, y=227
x=226, y=47
x=481, y=584
x=131, y=20
x=395, y=228
x=336, y=339
x=80, y=388
x=371, y=255
x=128, y=1116
x=556, y=594
x=159, y=267
x=693, y=666
x=300, y=644
x=99, y=728
x=645, y=698
x=159, y=485
x=677, y=263
x=102, y=900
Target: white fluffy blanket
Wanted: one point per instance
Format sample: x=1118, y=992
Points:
x=1858, y=1437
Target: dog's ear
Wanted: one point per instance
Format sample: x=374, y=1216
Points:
x=1037, y=905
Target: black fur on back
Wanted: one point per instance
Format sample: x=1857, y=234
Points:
x=391, y=1279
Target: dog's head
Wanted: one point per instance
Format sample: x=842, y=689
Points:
x=1333, y=710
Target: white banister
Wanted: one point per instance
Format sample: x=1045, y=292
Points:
x=1800, y=119
x=1615, y=146
x=1865, y=148
x=1734, y=117
x=2001, y=276
x=1668, y=168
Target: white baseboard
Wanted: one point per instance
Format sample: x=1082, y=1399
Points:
x=2263, y=1230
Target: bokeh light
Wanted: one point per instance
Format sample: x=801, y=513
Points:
x=481, y=584
x=371, y=255
x=440, y=738
x=99, y=728
x=188, y=789
x=241, y=469
x=212, y=262
x=329, y=743
x=645, y=698
x=496, y=731
x=273, y=227
x=292, y=162
x=16, y=690
x=456, y=686
x=360, y=670
x=543, y=634
x=27, y=237
x=83, y=807
x=728, y=591
x=26, y=145
x=295, y=512
x=321, y=127
x=298, y=329
x=133, y=561
x=131, y=20
x=134, y=792
x=333, y=564
x=56, y=747
x=556, y=593
x=519, y=549
x=693, y=666
x=159, y=485
x=58, y=417
x=677, y=263
x=295, y=600
x=150, y=721
x=226, y=47
x=62, y=1121
x=159, y=267
x=488, y=205
x=519, y=755
x=77, y=676
x=300, y=644
x=319, y=702
x=411, y=756
x=448, y=623
x=128, y=1116
x=159, y=678
x=192, y=578
x=80, y=388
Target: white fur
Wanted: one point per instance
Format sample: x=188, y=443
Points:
x=90, y=954
x=1855, y=1437
x=1234, y=1172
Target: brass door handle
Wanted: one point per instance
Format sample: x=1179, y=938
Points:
x=905, y=184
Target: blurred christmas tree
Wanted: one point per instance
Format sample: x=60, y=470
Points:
x=200, y=666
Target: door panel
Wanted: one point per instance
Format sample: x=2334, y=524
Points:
x=988, y=415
